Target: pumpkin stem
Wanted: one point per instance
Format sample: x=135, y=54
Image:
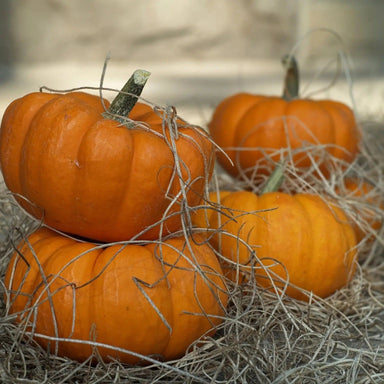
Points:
x=126, y=99
x=275, y=180
x=291, y=81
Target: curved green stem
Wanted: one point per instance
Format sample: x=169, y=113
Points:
x=126, y=99
x=291, y=81
x=275, y=180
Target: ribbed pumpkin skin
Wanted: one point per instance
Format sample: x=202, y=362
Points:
x=313, y=242
x=110, y=307
x=264, y=124
x=93, y=177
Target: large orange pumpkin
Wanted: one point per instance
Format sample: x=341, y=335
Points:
x=250, y=128
x=92, y=173
x=297, y=237
x=150, y=299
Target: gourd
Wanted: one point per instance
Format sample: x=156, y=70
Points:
x=251, y=129
x=299, y=239
x=368, y=207
x=107, y=173
x=153, y=299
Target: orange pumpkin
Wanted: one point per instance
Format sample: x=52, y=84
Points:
x=250, y=128
x=297, y=237
x=92, y=173
x=150, y=299
x=369, y=208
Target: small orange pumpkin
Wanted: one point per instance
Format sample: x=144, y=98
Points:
x=363, y=192
x=249, y=128
x=150, y=299
x=95, y=174
x=298, y=237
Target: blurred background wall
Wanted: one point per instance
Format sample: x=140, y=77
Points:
x=198, y=51
x=83, y=30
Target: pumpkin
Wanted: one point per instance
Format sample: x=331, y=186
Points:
x=251, y=129
x=152, y=299
x=301, y=239
x=94, y=173
x=368, y=208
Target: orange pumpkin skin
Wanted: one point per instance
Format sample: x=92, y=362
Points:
x=363, y=192
x=97, y=295
x=311, y=239
x=253, y=126
x=93, y=177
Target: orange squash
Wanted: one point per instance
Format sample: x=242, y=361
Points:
x=94, y=173
x=150, y=299
x=300, y=239
x=369, y=209
x=250, y=128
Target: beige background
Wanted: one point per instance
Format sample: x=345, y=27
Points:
x=198, y=51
